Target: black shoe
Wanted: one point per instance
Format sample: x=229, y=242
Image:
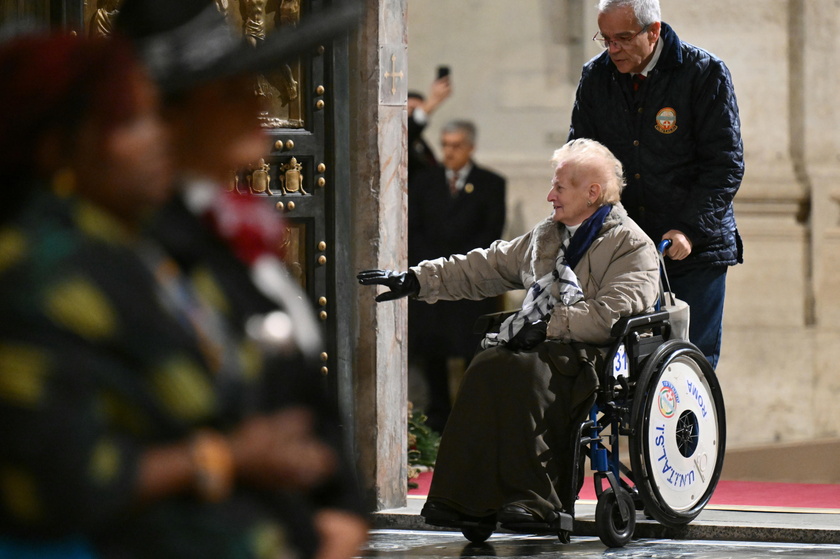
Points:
x=439, y=514
x=517, y=518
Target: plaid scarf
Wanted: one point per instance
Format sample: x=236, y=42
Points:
x=539, y=300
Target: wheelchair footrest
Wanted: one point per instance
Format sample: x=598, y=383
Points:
x=563, y=522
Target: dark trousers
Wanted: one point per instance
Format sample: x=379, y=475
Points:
x=511, y=432
x=704, y=289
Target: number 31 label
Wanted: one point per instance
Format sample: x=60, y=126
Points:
x=620, y=368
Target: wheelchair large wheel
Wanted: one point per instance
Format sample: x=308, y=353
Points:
x=679, y=433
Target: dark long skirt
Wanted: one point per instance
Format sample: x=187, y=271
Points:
x=511, y=432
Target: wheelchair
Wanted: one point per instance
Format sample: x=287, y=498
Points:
x=661, y=395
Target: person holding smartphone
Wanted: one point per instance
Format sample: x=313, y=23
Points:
x=420, y=107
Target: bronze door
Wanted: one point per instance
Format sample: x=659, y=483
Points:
x=303, y=175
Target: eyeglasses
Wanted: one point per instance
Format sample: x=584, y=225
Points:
x=623, y=40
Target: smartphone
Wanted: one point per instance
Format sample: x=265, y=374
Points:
x=442, y=72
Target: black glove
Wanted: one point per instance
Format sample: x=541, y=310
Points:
x=401, y=284
x=531, y=335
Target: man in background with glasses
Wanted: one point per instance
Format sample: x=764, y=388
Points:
x=667, y=110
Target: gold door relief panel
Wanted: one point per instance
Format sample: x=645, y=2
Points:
x=287, y=177
x=100, y=15
x=283, y=92
x=294, y=250
x=253, y=19
x=280, y=89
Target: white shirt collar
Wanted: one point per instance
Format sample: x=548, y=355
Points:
x=463, y=173
x=657, y=51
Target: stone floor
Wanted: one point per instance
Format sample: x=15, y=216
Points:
x=729, y=524
x=413, y=544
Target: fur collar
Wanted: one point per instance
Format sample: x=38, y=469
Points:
x=547, y=234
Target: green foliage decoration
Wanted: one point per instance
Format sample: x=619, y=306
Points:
x=423, y=444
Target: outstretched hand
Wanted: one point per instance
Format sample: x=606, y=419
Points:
x=401, y=284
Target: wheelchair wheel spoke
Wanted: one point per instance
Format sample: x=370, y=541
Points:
x=686, y=433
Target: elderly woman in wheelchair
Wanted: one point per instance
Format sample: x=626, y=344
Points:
x=507, y=452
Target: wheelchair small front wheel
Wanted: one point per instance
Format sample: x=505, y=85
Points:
x=477, y=534
x=614, y=527
x=679, y=433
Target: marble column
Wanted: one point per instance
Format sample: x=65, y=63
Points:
x=820, y=143
x=378, y=155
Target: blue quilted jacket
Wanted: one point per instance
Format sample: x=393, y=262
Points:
x=679, y=139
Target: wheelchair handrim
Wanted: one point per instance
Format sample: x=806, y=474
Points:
x=679, y=472
x=682, y=436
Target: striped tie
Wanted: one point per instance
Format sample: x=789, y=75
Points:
x=637, y=81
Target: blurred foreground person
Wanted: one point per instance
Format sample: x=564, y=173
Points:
x=134, y=424
x=229, y=244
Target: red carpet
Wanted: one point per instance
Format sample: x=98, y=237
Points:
x=731, y=494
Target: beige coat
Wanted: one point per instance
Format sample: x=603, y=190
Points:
x=619, y=275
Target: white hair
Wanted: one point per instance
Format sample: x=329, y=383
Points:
x=466, y=127
x=646, y=11
x=593, y=158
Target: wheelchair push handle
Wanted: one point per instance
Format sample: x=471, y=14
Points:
x=664, y=283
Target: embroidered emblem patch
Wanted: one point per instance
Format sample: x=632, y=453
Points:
x=666, y=120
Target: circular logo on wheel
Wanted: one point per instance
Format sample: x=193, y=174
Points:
x=667, y=401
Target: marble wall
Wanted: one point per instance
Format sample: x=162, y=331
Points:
x=515, y=74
